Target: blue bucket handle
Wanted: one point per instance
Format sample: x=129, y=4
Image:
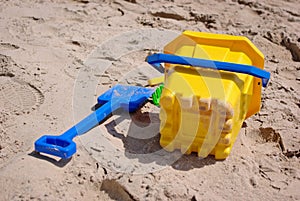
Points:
x=156, y=59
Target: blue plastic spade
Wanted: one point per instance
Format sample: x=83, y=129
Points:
x=129, y=98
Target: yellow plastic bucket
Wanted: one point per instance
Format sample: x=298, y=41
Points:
x=202, y=110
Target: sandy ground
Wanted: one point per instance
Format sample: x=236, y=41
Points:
x=46, y=45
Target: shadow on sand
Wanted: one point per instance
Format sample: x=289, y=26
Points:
x=142, y=142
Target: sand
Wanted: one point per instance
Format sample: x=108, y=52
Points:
x=56, y=57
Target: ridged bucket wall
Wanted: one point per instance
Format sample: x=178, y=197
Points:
x=202, y=110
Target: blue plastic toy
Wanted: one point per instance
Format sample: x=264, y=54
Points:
x=129, y=98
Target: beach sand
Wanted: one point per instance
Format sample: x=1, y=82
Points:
x=56, y=57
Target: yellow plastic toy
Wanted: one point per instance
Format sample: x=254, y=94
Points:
x=202, y=109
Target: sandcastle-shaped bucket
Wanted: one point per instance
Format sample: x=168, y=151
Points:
x=212, y=84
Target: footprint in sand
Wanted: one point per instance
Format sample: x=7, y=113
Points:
x=18, y=96
x=15, y=94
